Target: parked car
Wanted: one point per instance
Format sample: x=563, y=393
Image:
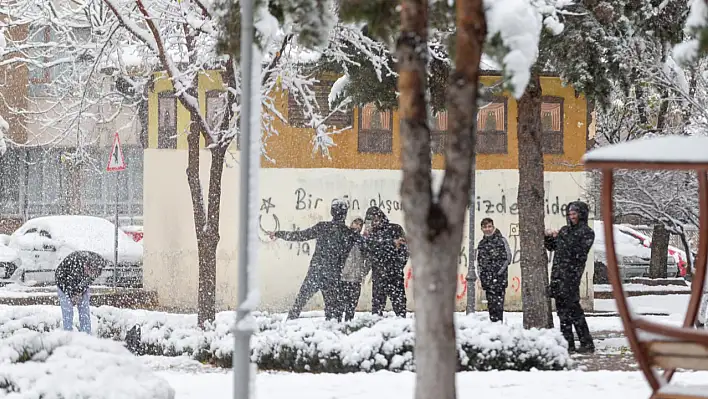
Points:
x=633, y=257
x=9, y=259
x=42, y=243
x=674, y=252
x=135, y=232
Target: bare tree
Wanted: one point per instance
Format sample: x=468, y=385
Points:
x=124, y=42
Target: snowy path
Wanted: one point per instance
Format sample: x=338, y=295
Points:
x=517, y=385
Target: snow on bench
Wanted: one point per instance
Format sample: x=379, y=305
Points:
x=665, y=149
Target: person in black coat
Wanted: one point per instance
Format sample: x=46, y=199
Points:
x=493, y=259
x=386, y=250
x=571, y=245
x=73, y=277
x=334, y=241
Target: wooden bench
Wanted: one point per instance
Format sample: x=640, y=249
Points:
x=656, y=345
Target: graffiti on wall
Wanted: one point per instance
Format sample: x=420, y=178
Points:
x=462, y=260
x=314, y=206
x=515, y=245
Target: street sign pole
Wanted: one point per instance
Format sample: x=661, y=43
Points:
x=242, y=336
x=116, y=163
x=115, y=240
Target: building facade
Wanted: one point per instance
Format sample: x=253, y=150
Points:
x=297, y=185
x=36, y=173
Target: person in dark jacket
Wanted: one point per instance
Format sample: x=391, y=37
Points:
x=355, y=270
x=571, y=245
x=73, y=276
x=334, y=241
x=493, y=259
x=386, y=249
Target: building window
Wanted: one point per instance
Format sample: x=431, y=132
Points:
x=492, y=127
x=552, y=125
x=216, y=111
x=321, y=89
x=39, y=78
x=438, y=131
x=166, y=120
x=375, y=130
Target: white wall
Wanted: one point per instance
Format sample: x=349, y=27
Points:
x=298, y=198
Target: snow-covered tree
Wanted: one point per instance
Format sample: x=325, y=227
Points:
x=79, y=79
x=697, y=28
x=110, y=50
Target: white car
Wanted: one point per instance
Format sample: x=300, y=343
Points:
x=9, y=258
x=633, y=257
x=42, y=243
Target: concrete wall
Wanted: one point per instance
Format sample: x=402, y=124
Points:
x=298, y=198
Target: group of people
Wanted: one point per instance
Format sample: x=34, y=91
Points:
x=571, y=245
x=343, y=257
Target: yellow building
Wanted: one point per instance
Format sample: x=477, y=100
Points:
x=374, y=140
x=296, y=185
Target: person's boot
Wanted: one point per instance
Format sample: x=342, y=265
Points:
x=586, y=343
x=567, y=332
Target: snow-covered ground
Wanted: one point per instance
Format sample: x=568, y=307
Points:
x=632, y=287
x=674, y=305
x=517, y=385
x=191, y=379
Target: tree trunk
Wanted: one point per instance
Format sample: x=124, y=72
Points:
x=74, y=169
x=534, y=260
x=435, y=229
x=659, y=252
x=206, y=251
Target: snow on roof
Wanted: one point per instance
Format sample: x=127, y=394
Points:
x=665, y=149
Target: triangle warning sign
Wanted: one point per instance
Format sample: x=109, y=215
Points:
x=116, y=161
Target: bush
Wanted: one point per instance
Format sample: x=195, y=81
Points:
x=367, y=343
x=70, y=365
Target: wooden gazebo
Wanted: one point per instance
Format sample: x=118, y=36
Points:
x=657, y=345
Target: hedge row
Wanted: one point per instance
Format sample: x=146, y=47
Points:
x=367, y=343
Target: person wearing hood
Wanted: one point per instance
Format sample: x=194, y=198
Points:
x=73, y=276
x=386, y=249
x=493, y=259
x=571, y=246
x=355, y=270
x=334, y=241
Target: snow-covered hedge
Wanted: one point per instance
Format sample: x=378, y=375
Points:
x=367, y=343
x=67, y=365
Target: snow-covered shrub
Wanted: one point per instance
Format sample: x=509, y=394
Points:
x=38, y=365
x=367, y=343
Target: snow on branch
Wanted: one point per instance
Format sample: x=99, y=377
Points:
x=514, y=28
x=99, y=59
x=697, y=28
x=74, y=54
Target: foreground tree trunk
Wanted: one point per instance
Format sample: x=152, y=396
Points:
x=659, y=252
x=435, y=228
x=534, y=260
